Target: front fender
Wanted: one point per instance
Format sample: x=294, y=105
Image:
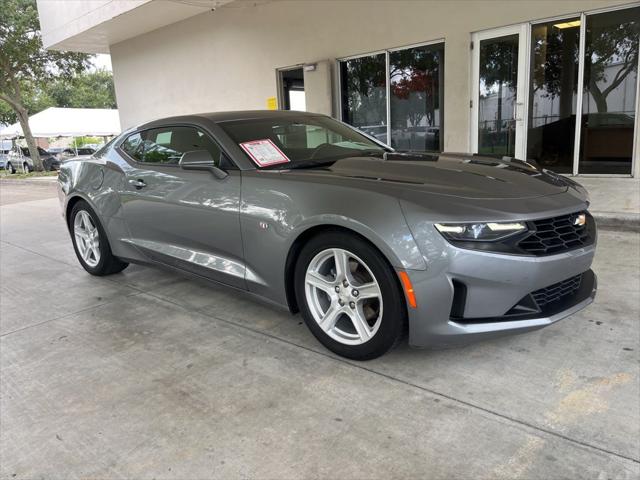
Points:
x=275, y=212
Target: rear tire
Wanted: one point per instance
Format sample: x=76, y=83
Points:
x=90, y=242
x=360, y=314
x=26, y=168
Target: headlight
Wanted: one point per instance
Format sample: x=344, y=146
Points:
x=480, y=232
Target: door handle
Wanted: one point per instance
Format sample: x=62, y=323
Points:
x=137, y=183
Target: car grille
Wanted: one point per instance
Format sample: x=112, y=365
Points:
x=557, y=234
x=557, y=291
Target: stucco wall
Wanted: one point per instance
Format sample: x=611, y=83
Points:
x=225, y=59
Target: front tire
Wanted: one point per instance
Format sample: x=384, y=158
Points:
x=26, y=168
x=349, y=296
x=10, y=168
x=90, y=242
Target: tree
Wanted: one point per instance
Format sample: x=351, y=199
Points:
x=26, y=66
x=615, y=45
x=86, y=90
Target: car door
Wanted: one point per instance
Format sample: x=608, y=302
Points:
x=183, y=218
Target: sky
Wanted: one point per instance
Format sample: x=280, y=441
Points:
x=101, y=61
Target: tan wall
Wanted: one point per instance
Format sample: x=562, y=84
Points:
x=226, y=59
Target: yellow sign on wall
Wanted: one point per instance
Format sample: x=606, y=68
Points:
x=272, y=103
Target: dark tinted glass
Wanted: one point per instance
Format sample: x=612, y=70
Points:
x=166, y=145
x=553, y=86
x=417, y=81
x=498, y=88
x=609, y=98
x=364, y=94
x=133, y=146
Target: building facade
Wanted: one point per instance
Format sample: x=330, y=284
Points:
x=554, y=81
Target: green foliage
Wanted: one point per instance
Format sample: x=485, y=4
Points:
x=82, y=141
x=34, y=99
x=23, y=60
x=25, y=66
x=85, y=90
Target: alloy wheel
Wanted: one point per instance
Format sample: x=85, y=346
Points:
x=87, y=238
x=344, y=296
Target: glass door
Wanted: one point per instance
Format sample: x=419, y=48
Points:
x=553, y=93
x=498, y=105
x=609, y=91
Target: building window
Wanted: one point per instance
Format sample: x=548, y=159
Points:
x=411, y=116
x=609, y=91
x=364, y=94
x=417, y=97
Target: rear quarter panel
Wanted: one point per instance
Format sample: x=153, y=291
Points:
x=98, y=181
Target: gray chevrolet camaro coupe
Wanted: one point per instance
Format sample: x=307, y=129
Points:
x=315, y=216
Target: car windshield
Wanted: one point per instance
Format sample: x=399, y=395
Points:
x=298, y=141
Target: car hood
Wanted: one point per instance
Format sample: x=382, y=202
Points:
x=462, y=176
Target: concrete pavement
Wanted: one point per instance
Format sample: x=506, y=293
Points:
x=147, y=374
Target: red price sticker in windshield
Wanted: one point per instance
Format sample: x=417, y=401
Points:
x=264, y=152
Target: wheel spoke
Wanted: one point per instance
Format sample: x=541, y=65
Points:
x=330, y=317
x=341, y=258
x=81, y=233
x=360, y=324
x=87, y=238
x=368, y=290
x=319, y=281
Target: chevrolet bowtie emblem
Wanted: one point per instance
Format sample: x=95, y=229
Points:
x=580, y=220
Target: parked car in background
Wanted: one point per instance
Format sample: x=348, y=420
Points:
x=20, y=158
x=313, y=215
x=74, y=152
x=4, y=154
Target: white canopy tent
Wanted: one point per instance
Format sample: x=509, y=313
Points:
x=69, y=122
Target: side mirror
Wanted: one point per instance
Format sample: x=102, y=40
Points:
x=201, y=160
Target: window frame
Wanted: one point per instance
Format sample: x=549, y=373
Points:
x=583, y=15
x=122, y=152
x=386, y=53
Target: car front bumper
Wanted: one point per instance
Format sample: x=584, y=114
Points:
x=493, y=284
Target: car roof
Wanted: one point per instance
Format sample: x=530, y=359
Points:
x=220, y=117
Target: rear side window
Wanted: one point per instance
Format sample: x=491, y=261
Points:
x=167, y=144
x=133, y=146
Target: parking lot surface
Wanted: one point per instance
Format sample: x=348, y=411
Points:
x=147, y=374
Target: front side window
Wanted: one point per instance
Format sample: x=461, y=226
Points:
x=166, y=145
x=301, y=140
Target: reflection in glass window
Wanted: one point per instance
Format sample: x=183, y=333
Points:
x=416, y=76
x=609, y=99
x=133, y=146
x=553, y=91
x=166, y=145
x=498, y=89
x=364, y=94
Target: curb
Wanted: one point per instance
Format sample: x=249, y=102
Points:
x=628, y=222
